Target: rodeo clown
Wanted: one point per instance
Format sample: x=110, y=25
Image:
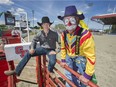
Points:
x=77, y=47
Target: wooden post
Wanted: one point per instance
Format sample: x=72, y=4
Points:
x=11, y=79
x=39, y=71
x=44, y=70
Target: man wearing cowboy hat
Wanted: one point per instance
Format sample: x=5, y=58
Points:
x=77, y=48
x=47, y=39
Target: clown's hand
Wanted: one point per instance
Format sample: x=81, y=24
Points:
x=63, y=64
x=52, y=52
x=31, y=51
x=83, y=80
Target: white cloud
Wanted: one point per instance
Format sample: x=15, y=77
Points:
x=35, y=19
x=62, y=11
x=6, y=2
x=98, y=14
x=20, y=10
x=84, y=7
x=48, y=10
x=11, y=10
x=110, y=10
x=16, y=11
x=16, y=14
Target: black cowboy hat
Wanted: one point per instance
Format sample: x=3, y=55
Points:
x=44, y=20
x=71, y=11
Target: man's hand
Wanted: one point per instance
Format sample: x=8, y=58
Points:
x=52, y=52
x=31, y=51
x=83, y=80
x=63, y=64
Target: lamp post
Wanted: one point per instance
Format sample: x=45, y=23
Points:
x=33, y=20
x=27, y=25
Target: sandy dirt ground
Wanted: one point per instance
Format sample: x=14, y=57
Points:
x=105, y=63
x=106, y=60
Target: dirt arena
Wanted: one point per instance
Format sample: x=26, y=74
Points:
x=105, y=63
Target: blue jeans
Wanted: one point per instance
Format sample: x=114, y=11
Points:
x=71, y=62
x=38, y=51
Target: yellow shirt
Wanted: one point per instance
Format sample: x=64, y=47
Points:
x=86, y=48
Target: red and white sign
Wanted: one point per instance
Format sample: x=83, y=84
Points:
x=16, y=51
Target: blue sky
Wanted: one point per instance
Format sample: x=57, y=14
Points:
x=53, y=8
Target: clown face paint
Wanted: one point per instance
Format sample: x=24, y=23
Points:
x=70, y=23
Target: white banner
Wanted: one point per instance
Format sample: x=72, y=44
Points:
x=16, y=51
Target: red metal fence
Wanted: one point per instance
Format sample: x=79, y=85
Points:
x=43, y=77
x=7, y=81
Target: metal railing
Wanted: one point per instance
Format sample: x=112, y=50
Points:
x=22, y=40
x=43, y=77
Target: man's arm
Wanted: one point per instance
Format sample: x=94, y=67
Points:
x=35, y=40
x=89, y=52
x=88, y=47
x=63, y=49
